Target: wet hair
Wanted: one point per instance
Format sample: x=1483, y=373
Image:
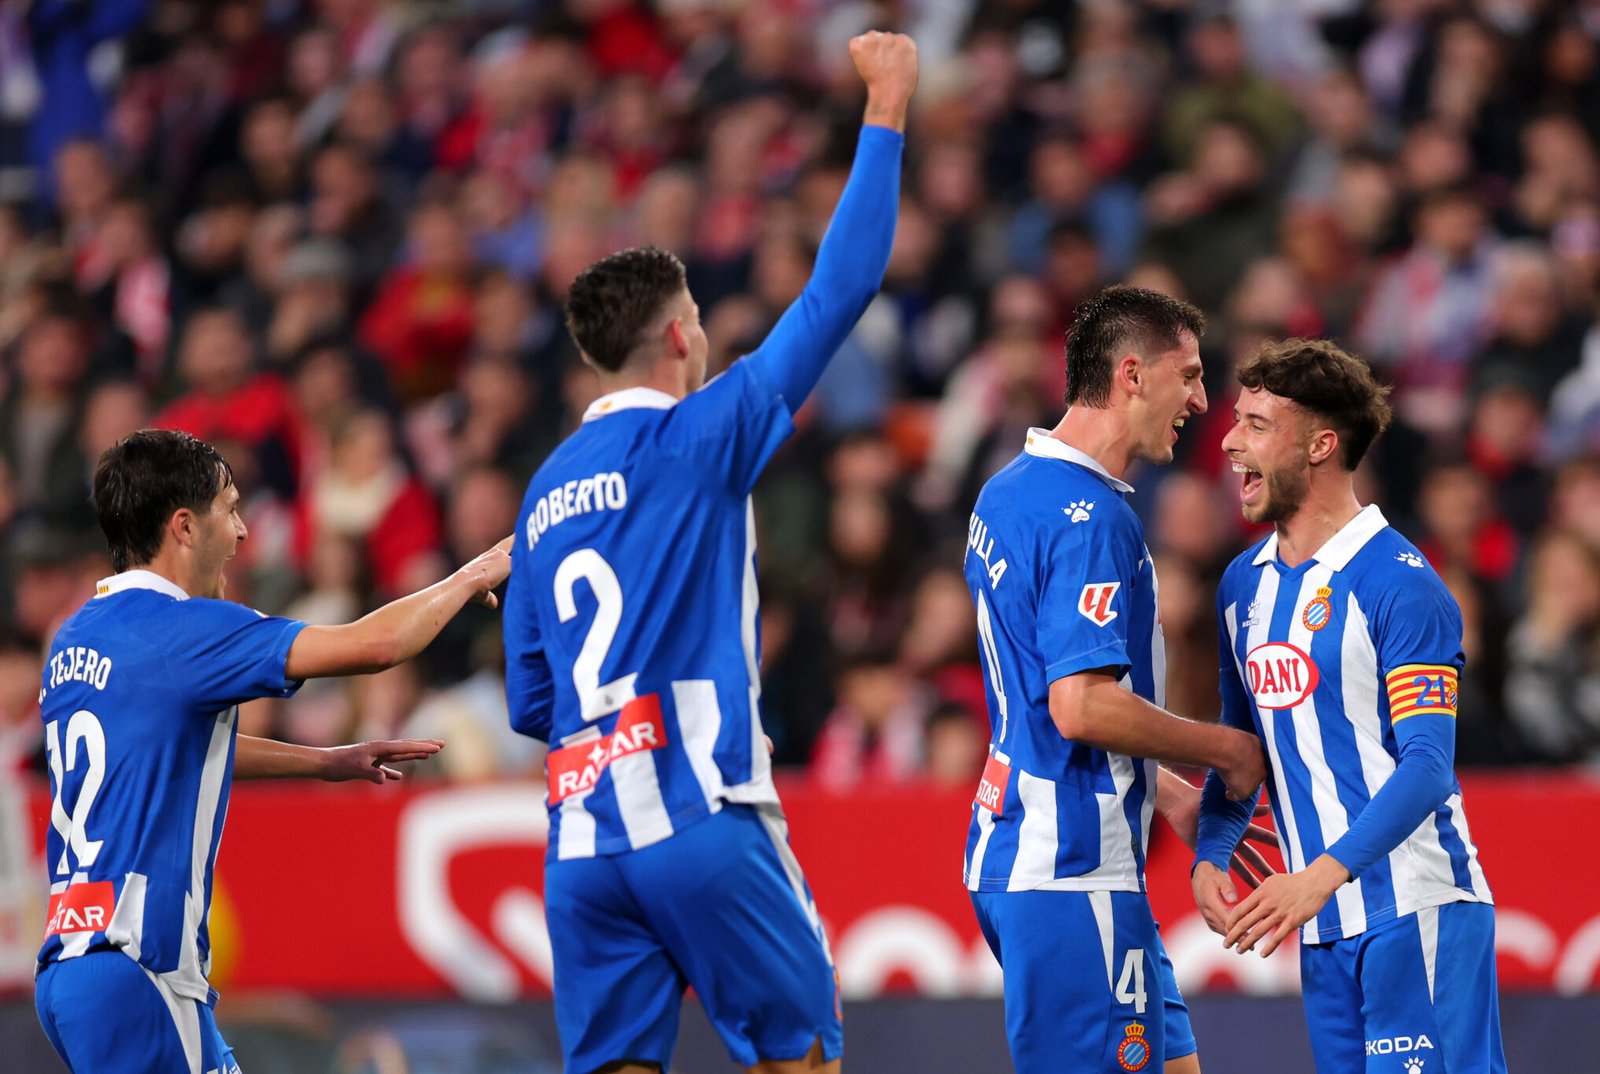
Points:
x=145, y=477
x=613, y=301
x=1329, y=382
x=1113, y=322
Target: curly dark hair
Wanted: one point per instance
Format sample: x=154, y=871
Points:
x=613, y=300
x=1117, y=320
x=1328, y=381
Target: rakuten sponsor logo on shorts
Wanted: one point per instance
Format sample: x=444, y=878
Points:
x=1398, y=1045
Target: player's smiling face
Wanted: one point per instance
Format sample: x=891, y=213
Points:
x=1269, y=446
x=1174, y=392
x=220, y=530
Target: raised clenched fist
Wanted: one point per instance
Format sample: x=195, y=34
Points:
x=887, y=63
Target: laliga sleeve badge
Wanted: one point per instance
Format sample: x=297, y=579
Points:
x=1134, y=1051
x=1319, y=612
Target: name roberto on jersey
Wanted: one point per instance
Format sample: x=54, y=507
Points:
x=602, y=492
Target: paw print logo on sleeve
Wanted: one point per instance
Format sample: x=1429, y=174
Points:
x=1078, y=510
x=1414, y=1065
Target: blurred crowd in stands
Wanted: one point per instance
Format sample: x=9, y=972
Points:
x=334, y=236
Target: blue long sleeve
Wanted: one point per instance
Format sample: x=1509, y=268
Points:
x=1222, y=821
x=1422, y=780
x=848, y=272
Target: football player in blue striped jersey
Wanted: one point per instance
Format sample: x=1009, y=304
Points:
x=632, y=647
x=139, y=696
x=1075, y=673
x=1341, y=649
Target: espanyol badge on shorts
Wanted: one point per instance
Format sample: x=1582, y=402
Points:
x=1134, y=1051
x=1319, y=612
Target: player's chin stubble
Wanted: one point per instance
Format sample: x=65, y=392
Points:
x=1282, y=495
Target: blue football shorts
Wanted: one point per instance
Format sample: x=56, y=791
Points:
x=1088, y=984
x=1416, y=995
x=721, y=906
x=106, y=1014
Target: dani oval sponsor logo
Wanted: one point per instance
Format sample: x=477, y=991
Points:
x=1281, y=675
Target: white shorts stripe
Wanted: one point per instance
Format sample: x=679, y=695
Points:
x=185, y=1014
x=1428, y=925
x=778, y=831
x=1100, y=903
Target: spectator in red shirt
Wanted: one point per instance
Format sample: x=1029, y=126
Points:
x=420, y=322
x=228, y=399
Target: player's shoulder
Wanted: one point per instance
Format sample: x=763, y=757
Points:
x=1050, y=492
x=1243, y=566
x=1390, y=562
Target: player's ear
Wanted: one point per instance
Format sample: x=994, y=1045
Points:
x=678, y=337
x=1130, y=373
x=182, y=527
x=1324, y=445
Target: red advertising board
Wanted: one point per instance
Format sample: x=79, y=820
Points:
x=435, y=891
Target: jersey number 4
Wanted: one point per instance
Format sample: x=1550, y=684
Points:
x=83, y=729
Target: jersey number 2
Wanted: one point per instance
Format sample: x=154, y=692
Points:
x=84, y=727
x=597, y=700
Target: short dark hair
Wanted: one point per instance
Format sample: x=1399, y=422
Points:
x=142, y=479
x=1119, y=319
x=1329, y=382
x=613, y=300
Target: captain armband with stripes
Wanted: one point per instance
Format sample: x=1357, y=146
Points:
x=1419, y=689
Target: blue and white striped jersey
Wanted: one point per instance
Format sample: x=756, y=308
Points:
x=635, y=540
x=139, y=699
x=1326, y=658
x=1063, y=583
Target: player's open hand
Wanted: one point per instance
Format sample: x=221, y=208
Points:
x=887, y=63
x=1283, y=903
x=371, y=760
x=1215, y=895
x=488, y=570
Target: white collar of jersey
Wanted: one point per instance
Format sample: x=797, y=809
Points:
x=1342, y=546
x=139, y=579
x=1042, y=444
x=629, y=399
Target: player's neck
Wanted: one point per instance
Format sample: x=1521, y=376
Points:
x=175, y=568
x=1324, y=513
x=1099, y=434
x=661, y=377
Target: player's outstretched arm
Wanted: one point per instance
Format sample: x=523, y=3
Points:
x=265, y=758
x=400, y=629
x=855, y=251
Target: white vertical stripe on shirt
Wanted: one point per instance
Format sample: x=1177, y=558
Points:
x=126, y=929
x=750, y=608
x=1332, y=818
x=1116, y=839
x=980, y=848
x=639, y=802
x=1256, y=633
x=1458, y=816
x=76, y=943
x=575, y=839
x=1360, y=687
x=207, y=808
x=700, y=722
x=1036, y=835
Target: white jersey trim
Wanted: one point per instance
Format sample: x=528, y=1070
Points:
x=139, y=579
x=1342, y=547
x=629, y=399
